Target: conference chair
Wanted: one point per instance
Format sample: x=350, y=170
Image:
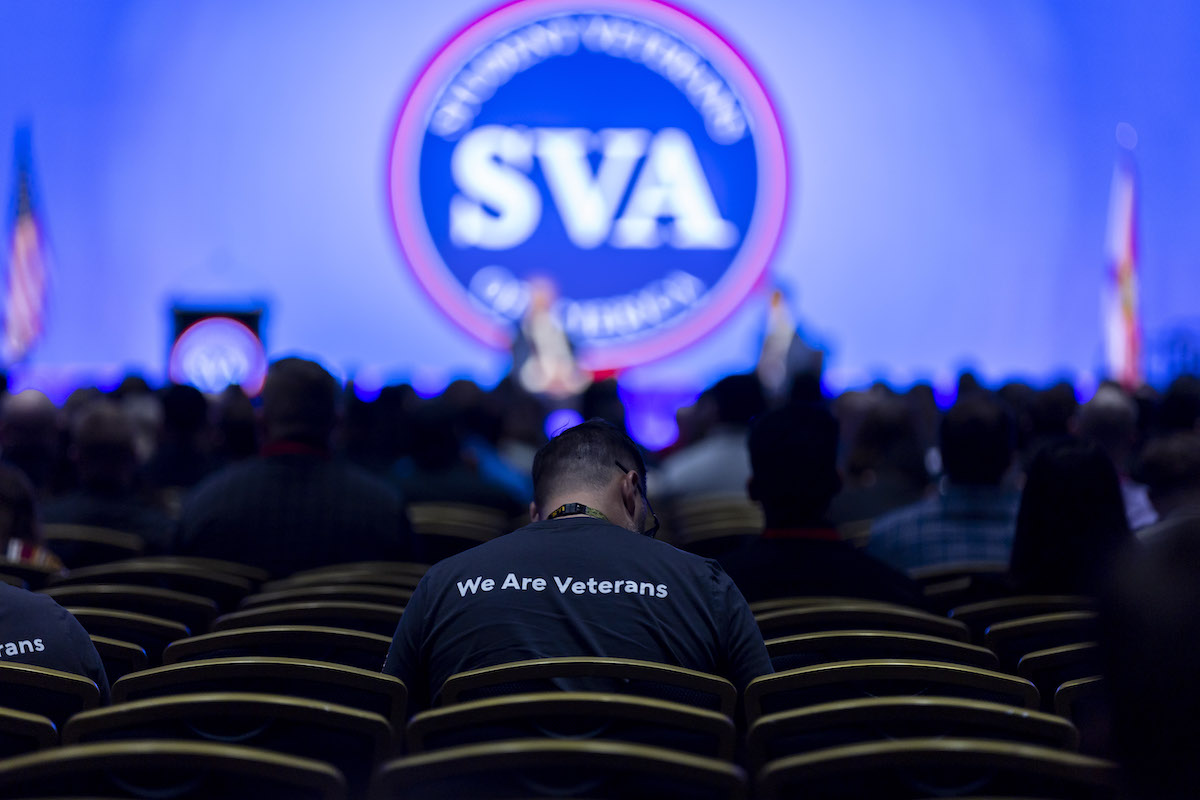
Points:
x=579, y=716
x=1014, y=638
x=849, y=680
x=353, y=741
x=541, y=768
x=88, y=545
x=857, y=616
x=940, y=573
x=370, y=567
x=1048, y=669
x=583, y=673
x=814, y=601
x=194, y=611
x=46, y=692
x=369, y=617
x=363, y=689
x=441, y=530
x=978, y=616
x=913, y=768
x=341, y=592
x=306, y=642
x=33, y=576
x=119, y=658
x=152, y=634
x=255, y=575
x=1084, y=702
x=174, y=769
x=809, y=649
x=384, y=580
x=224, y=588
x=22, y=732
x=713, y=524
x=871, y=719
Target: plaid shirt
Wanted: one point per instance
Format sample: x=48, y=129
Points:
x=962, y=523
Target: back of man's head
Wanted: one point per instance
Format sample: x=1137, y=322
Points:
x=793, y=461
x=300, y=400
x=739, y=399
x=1110, y=420
x=977, y=441
x=184, y=410
x=102, y=442
x=583, y=458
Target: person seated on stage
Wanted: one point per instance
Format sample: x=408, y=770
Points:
x=1071, y=521
x=717, y=463
x=793, y=458
x=586, y=578
x=102, y=448
x=33, y=628
x=973, y=516
x=1170, y=468
x=295, y=507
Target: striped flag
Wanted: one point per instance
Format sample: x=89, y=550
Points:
x=1122, y=320
x=24, y=301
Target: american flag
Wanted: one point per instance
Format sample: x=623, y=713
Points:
x=25, y=299
x=1122, y=319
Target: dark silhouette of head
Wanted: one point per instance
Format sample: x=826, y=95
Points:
x=1180, y=406
x=29, y=435
x=1150, y=638
x=1110, y=419
x=793, y=464
x=584, y=458
x=102, y=446
x=1071, y=521
x=738, y=399
x=1170, y=468
x=185, y=411
x=976, y=439
x=886, y=442
x=601, y=400
x=300, y=402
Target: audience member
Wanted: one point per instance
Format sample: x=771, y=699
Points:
x=294, y=507
x=181, y=458
x=972, y=516
x=102, y=449
x=1071, y=521
x=29, y=437
x=1170, y=468
x=33, y=628
x=793, y=458
x=1150, y=637
x=1179, y=409
x=1110, y=419
x=718, y=462
x=581, y=580
x=236, y=427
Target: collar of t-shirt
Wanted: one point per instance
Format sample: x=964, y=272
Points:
x=812, y=534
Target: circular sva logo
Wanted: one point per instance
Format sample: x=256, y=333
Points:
x=621, y=150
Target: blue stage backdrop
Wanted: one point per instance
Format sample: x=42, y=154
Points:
x=948, y=169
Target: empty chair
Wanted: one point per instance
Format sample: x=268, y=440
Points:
x=194, y=611
x=315, y=680
x=87, y=545
x=808, y=649
x=871, y=719
x=255, y=575
x=862, y=616
x=443, y=529
x=179, y=770
x=914, y=768
x=22, y=732
x=780, y=603
x=1051, y=668
x=978, y=616
x=385, y=580
x=342, y=592
x=152, y=634
x=350, y=739
x=848, y=680
x=46, y=692
x=540, y=768
x=939, y=573
x=224, y=588
x=369, y=617
x=1012, y=639
x=311, y=643
x=1085, y=703
x=619, y=675
x=574, y=716
x=365, y=567
x=119, y=658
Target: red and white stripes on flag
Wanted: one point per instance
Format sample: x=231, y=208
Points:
x=1122, y=319
x=24, y=301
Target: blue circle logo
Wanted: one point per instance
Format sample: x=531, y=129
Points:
x=621, y=151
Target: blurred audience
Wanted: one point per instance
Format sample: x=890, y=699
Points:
x=1110, y=419
x=29, y=437
x=182, y=457
x=1170, y=468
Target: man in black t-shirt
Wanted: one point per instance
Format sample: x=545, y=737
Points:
x=581, y=580
x=36, y=630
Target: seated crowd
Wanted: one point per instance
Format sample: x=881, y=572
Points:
x=773, y=512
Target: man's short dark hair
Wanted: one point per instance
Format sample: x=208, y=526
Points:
x=584, y=456
x=300, y=401
x=793, y=460
x=977, y=441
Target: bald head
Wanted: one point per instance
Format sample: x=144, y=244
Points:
x=29, y=417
